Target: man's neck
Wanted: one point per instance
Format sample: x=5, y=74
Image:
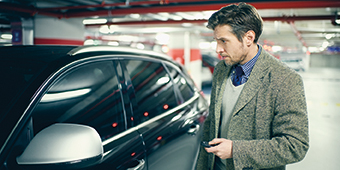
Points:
x=253, y=49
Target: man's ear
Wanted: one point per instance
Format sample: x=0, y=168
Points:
x=249, y=37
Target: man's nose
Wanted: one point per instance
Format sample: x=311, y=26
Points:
x=219, y=49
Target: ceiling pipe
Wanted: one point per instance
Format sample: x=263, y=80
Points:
x=103, y=4
x=203, y=7
x=289, y=4
x=300, y=18
x=287, y=19
x=164, y=7
x=28, y=10
x=297, y=33
x=151, y=22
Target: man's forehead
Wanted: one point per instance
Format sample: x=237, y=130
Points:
x=222, y=32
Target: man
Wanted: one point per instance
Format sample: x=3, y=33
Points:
x=258, y=115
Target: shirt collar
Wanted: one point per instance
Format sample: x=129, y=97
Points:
x=248, y=66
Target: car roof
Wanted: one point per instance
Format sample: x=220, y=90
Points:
x=35, y=53
x=116, y=50
x=51, y=53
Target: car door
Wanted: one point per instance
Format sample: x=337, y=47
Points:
x=167, y=121
x=89, y=93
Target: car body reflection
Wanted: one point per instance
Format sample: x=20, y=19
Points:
x=144, y=108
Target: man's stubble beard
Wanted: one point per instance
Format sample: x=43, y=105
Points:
x=228, y=60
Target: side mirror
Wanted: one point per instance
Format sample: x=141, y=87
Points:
x=63, y=146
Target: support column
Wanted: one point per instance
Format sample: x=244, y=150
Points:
x=54, y=31
x=184, y=48
x=22, y=32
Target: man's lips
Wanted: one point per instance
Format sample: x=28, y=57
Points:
x=224, y=57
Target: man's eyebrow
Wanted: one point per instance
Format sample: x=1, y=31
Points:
x=221, y=38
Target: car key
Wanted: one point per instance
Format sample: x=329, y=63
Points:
x=206, y=144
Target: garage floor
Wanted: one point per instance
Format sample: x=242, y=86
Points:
x=322, y=86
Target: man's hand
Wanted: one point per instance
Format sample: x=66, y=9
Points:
x=224, y=148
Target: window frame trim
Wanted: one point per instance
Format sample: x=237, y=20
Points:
x=150, y=121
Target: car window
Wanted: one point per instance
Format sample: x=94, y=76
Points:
x=184, y=87
x=127, y=93
x=15, y=77
x=88, y=94
x=153, y=88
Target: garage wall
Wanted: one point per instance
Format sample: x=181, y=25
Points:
x=325, y=60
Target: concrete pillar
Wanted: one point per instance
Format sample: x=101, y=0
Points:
x=54, y=31
x=184, y=48
x=22, y=32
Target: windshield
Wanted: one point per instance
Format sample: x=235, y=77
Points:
x=15, y=76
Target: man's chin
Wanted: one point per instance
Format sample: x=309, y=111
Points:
x=228, y=62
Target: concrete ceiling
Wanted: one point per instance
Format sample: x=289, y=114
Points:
x=289, y=24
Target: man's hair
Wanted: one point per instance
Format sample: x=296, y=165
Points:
x=240, y=17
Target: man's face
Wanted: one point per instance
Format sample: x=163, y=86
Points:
x=229, y=47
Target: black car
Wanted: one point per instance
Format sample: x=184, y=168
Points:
x=97, y=107
x=208, y=65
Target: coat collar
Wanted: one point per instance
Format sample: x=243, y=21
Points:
x=255, y=81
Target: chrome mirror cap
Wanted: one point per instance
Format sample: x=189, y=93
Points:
x=62, y=143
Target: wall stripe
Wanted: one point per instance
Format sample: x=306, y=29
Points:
x=53, y=41
x=178, y=55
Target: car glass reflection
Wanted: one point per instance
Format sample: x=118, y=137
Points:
x=153, y=88
x=88, y=95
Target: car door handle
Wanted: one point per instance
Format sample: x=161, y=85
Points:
x=194, y=129
x=140, y=166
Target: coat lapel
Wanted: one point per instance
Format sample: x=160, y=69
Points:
x=221, y=78
x=254, y=83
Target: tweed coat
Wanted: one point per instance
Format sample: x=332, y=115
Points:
x=269, y=125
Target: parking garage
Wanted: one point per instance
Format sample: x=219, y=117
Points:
x=303, y=34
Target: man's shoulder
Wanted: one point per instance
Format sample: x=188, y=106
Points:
x=276, y=64
x=278, y=68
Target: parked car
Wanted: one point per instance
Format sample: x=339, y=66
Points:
x=208, y=65
x=296, y=64
x=97, y=107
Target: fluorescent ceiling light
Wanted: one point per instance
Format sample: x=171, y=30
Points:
x=140, y=46
x=159, y=17
x=276, y=48
x=94, y=21
x=314, y=49
x=204, y=45
x=6, y=36
x=213, y=45
x=176, y=17
x=121, y=38
x=337, y=21
x=207, y=14
x=113, y=43
x=162, y=38
x=186, y=15
x=105, y=29
x=187, y=24
x=171, y=16
x=329, y=36
x=325, y=44
x=135, y=16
